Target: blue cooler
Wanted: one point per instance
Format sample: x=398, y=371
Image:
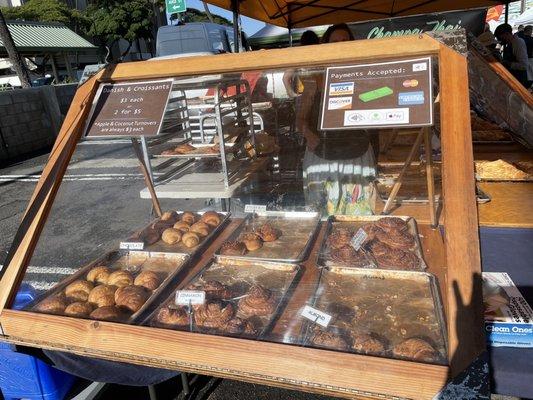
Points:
x=27, y=377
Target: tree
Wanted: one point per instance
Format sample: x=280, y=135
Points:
x=14, y=56
x=111, y=20
x=194, y=15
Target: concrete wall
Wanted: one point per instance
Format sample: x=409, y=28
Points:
x=30, y=119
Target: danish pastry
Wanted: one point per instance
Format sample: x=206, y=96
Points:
x=258, y=301
x=251, y=240
x=268, y=233
x=173, y=316
x=213, y=314
x=233, y=249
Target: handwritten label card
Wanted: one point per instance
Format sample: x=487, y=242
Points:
x=254, y=208
x=316, y=316
x=358, y=239
x=192, y=297
x=131, y=245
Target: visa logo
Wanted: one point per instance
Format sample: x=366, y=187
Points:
x=341, y=89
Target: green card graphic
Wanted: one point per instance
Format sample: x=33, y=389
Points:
x=375, y=94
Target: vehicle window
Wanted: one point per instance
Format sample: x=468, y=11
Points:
x=218, y=40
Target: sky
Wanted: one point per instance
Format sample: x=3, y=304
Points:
x=249, y=25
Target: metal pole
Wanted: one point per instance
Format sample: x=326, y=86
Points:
x=506, y=13
x=236, y=30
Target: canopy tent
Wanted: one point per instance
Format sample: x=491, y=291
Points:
x=304, y=13
x=275, y=36
x=524, y=19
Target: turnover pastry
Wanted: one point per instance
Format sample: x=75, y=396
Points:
x=173, y=316
x=108, y=313
x=79, y=290
x=103, y=295
x=416, y=349
x=268, y=233
x=120, y=278
x=79, y=309
x=98, y=274
x=251, y=240
x=189, y=217
x=131, y=297
x=52, y=305
x=392, y=224
x=211, y=218
x=201, y=228
x=213, y=314
x=233, y=249
x=190, y=239
x=239, y=326
x=368, y=343
x=182, y=226
x=171, y=236
x=258, y=301
x=329, y=340
x=148, y=279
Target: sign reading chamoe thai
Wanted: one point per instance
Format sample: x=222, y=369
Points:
x=387, y=94
x=129, y=109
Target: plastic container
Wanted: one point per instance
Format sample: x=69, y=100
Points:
x=26, y=377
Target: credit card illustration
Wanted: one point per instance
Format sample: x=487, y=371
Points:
x=376, y=94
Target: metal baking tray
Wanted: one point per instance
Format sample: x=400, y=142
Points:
x=199, y=152
x=180, y=248
x=298, y=230
x=135, y=262
x=395, y=305
x=239, y=275
x=353, y=222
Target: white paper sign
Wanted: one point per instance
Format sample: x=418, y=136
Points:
x=192, y=297
x=131, y=245
x=358, y=239
x=254, y=208
x=317, y=316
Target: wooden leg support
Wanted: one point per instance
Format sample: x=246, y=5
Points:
x=147, y=178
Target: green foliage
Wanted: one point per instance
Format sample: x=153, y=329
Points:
x=111, y=20
x=194, y=15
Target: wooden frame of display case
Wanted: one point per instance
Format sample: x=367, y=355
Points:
x=306, y=369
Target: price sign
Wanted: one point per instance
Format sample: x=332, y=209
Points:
x=358, y=239
x=129, y=109
x=131, y=245
x=192, y=297
x=254, y=208
x=317, y=316
x=387, y=94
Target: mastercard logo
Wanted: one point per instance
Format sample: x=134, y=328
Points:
x=410, y=83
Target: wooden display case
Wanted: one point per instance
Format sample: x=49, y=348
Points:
x=453, y=256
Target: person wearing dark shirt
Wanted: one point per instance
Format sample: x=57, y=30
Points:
x=514, y=55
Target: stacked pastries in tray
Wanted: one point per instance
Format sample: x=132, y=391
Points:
x=250, y=241
x=110, y=294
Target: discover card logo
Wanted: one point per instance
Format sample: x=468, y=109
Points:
x=341, y=88
x=340, y=103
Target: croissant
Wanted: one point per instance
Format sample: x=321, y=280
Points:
x=52, y=305
x=103, y=295
x=201, y=228
x=190, y=239
x=172, y=316
x=182, y=226
x=79, y=290
x=148, y=279
x=98, y=274
x=131, y=297
x=171, y=236
x=120, y=278
x=188, y=217
x=211, y=218
x=108, y=313
x=79, y=309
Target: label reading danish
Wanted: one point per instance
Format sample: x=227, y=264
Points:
x=317, y=316
x=358, y=239
x=189, y=297
x=131, y=245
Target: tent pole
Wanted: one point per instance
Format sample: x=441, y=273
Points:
x=289, y=24
x=506, y=13
x=236, y=33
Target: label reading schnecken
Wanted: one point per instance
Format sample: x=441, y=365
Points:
x=254, y=208
x=317, y=316
x=358, y=239
x=192, y=297
x=131, y=245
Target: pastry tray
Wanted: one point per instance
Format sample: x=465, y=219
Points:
x=298, y=230
x=135, y=262
x=239, y=275
x=180, y=248
x=395, y=305
x=199, y=152
x=353, y=222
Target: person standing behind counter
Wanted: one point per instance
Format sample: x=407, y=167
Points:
x=339, y=166
x=514, y=55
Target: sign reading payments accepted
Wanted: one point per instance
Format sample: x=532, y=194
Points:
x=129, y=109
x=387, y=94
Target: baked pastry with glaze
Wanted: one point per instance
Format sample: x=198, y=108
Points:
x=211, y=218
x=79, y=290
x=233, y=249
x=190, y=239
x=120, y=278
x=103, y=295
x=392, y=224
x=182, y=226
x=52, y=305
x=258, y=301
x=268, y=233
x=239, y=326
x=214, y=290
x=189, y=217
x=339, y=238
x=148, y=279
x=368, y=343
x=173, y=316
x=79, y=309
x=201, y=228
x=390, y=258
x=170, y=216
x=347, y=254
x=131, y=297
x=416, y=349
x=328, y=340
x=99, y=274
x=251, y=240
x=213, y=314
x=108, y=313
x=396, y=239
x=171, y=236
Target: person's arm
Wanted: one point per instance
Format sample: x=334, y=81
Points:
x=288, y=77
x=303, y=114
x=520, y=53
